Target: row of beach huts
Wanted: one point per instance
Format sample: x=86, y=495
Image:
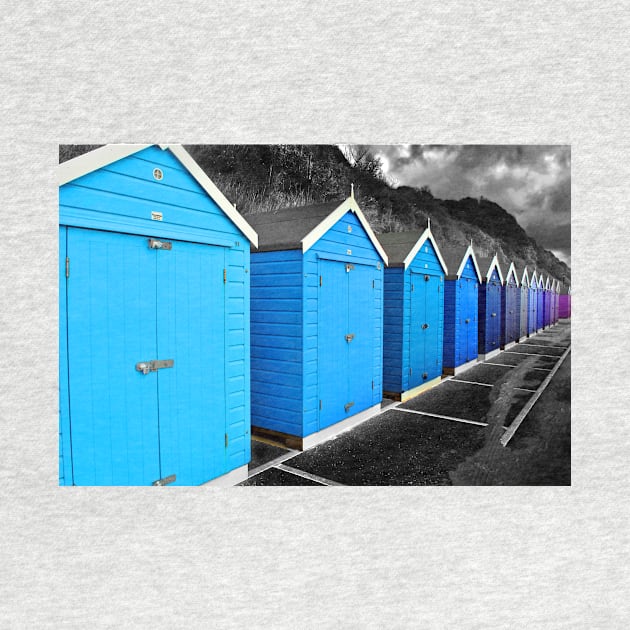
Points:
x=184, y=327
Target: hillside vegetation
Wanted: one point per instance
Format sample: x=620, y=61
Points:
x=263, y=178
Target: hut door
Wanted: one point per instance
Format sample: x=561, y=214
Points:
x=111, y=325
x=333, y=348
x=130, y=304
x=424, y=350
x=191, y=330
x=417, y=329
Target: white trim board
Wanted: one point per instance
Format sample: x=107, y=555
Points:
x=427, y=235
x=110, y=153
x=348, y=205
x=469, y=252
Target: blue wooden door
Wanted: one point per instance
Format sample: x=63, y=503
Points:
x=493, y=315
x=417, y=321
x=362, y=325
x=333, y=354
x=191, y=331
x=471, y=293
x=111, y=326
x=432, y=338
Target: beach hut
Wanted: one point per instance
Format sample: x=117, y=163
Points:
x=489, y=306
x=461, y=292
x=564, y=302
x=547, y=298
x=553, y=301
x=523, y=302
x=317, y=322
x=413, y=326
x=540, y=310
x=532, y=305
x=153, y=320
x=510, y=305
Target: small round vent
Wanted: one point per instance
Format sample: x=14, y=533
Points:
x=157, y=173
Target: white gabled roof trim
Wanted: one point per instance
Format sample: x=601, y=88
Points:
x=349, y=204
x=548, y=284
x=494, y=263
x=512, y=270
x=427, y=235
x=92, y=161
x=462, y=264
x=219, y=198
x=525, y=278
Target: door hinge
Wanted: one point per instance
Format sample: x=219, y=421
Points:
x=155, y=244
x=224, y=276
x=226, y=440
x=67, y=267
x=412, y=286
x=164, y=481
x=410, y=371
x=320, y=405
x=320, y=281
x=373, y=285
x=372, y=384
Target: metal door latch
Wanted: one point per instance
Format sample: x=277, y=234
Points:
x=494, y=314
x=349, y=268
x=348, y=405
x=467, y=321
x=153, y=366
x=349, y=337
x=155, y=244
x=425, y=326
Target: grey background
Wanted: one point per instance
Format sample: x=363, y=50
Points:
x=485, y=72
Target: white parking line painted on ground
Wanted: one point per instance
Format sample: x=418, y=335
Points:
x=524, y=389
x=438, y=415
x=457, y=380
x=536, y=354
x=300, y=473
x=499, y=364
x=273, y=462
x=543, y=369
x=516, y=423
x=542, y=345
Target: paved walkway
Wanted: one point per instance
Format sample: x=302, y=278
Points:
x=418, y=442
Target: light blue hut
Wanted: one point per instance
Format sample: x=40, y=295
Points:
x=153, y=320
x=414, y=313
x=317, y=322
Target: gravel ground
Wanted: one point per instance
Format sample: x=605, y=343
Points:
x=395, y=448
x=277, y=477
x=263, y=453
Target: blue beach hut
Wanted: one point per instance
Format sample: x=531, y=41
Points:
x=489, y=306
x=540, y=306
x=154, y=322
x=532, y=305
x=414, y=313
x=461, y=289
x=523, y=301
x=317, y=322
x=510, y=306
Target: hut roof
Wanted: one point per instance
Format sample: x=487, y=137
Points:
x=487, y=264
x=455, y=257
x=402, y=247
x=301, y=227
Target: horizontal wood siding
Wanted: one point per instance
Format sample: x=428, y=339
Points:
x=276, y=341
x=395, y=329
x=237, y=369
x=451, y=318
x=120, y=197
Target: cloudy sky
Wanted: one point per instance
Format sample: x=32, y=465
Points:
x=532, y=182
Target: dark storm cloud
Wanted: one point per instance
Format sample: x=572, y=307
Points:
x=533, y=182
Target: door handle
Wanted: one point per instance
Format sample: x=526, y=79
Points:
x=467, y=321
x=349, y=337
x=425, y=326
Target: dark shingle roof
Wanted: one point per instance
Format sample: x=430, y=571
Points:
x=484, y=264
x=397, y=245
x=286, y=228
x=452, y=255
